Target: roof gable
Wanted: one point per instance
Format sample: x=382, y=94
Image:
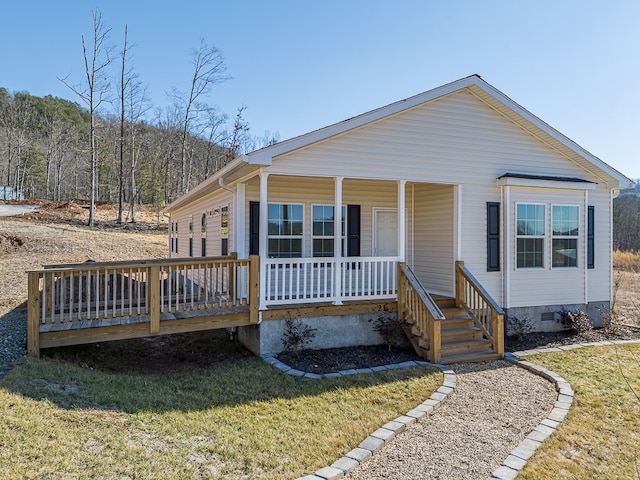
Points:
x=486, y=93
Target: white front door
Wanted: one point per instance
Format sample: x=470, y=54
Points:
x=385, y=235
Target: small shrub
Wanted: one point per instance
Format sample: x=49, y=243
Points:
x=297, y=336
x=518, y=327
x=577, y=321
x=389, y=329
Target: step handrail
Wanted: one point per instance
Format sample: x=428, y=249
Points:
x=417, y=307
x=481, y=307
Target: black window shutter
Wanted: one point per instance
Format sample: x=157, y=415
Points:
x=591, y=244
x=254, y=228
x=353, y=230
x=493, y=236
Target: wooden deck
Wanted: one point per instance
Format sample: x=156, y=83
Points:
x=95, y=302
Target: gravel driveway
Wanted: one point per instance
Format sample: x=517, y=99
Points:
x=493, y=408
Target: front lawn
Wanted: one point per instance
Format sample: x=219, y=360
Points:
x=601, y=436
x=240, y=419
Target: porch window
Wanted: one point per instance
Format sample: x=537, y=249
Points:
x=565, y=232
x=323, y=230
x=176, y=241
x=530, y=235
x=285, y=230
x=224, y=231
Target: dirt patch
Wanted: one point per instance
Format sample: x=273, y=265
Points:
x=154, y=355
x=105, y=215
x=10, y=243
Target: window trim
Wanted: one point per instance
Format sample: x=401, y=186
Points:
x=543, y=237
x=564, y=237
x=330, y=237
x=302, y=236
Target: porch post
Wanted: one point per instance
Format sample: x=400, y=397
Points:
x=402, y=222
x=337, y=242
x=263, y=237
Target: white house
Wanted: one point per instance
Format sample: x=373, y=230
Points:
x=458, y=173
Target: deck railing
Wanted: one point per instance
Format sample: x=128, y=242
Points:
x=318, y=279
x=417, y=308
x=480, y=306
x=92, y=293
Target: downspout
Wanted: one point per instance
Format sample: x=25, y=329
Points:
x=226, y=187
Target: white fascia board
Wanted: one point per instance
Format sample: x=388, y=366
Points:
x=540, y=183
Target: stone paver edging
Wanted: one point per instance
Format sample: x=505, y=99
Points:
x=519, y=456
x=370, y=445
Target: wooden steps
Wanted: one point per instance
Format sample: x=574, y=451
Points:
x=462, y=341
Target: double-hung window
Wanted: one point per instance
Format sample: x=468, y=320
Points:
x=323, y=223
x=203, y=235
x=530, y=235
x=224, y=231
x=565, y=232
x=285, y=231
x=191, y=235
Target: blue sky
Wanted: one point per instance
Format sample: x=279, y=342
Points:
x=301, y=65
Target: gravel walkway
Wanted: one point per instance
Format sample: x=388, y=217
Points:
x=492, y=409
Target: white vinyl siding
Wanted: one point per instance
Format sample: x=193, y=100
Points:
x=434, y=256
x=211, y=206
x=450, y=151
x=459, y=140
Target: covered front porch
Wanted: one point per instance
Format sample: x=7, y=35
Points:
x=339, y=239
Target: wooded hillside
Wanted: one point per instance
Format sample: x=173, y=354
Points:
x=44, y=149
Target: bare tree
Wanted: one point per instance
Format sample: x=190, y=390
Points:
x=208, y=70
x=93, y=93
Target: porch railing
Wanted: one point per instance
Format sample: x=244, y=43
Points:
x=317, y=279
x=417, y=308
x=93, y=293
x=483, y=309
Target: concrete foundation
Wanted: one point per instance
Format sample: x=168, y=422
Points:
x=331, y=332
x=546, y=319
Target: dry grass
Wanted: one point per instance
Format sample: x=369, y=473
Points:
x=601, y=436
x=626, y=261
x=236, y=420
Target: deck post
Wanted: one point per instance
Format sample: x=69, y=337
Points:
x=435, y=340
x=153, y=285
x=33, y=314
x=497, y=330
x=254, y=291
x=401, y=310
